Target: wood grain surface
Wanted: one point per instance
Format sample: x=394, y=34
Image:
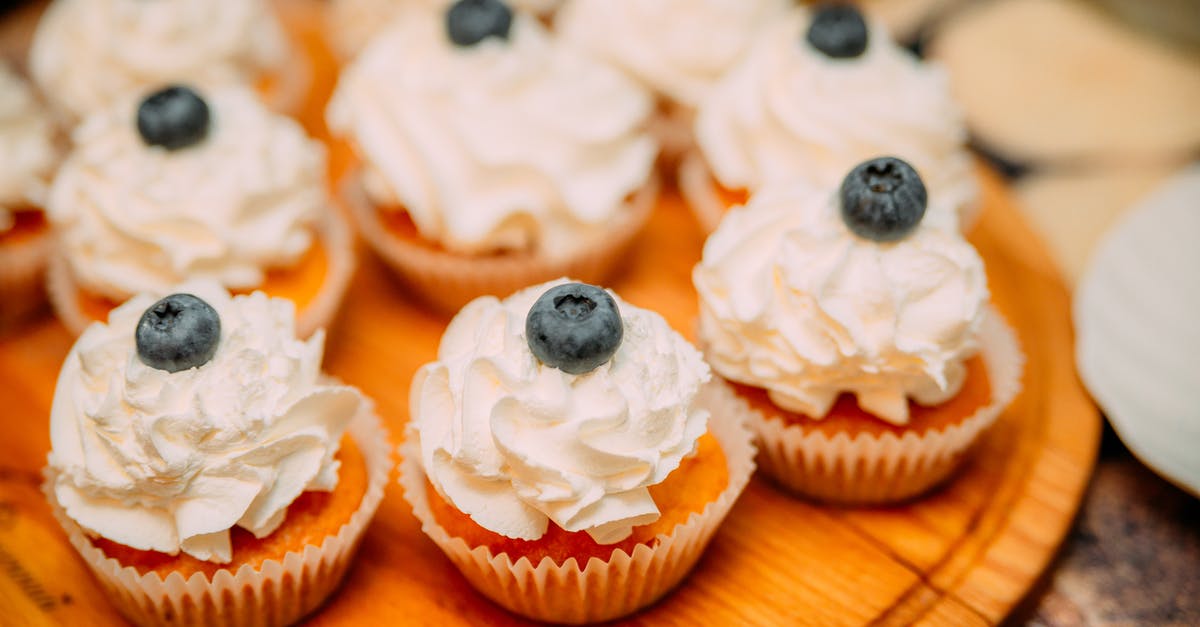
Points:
x=964, y=555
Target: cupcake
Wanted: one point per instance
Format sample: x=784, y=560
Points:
x=492, y=157
x=820, y=92
x=562, y=454
x=852, y=330
x=87, y=54
x=29, y=153
x=202, y=466
x=188, y=185
x=352, y=23
x=678, y=48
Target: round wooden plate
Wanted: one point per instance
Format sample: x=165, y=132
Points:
x=963, y=555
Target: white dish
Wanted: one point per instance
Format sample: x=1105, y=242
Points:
x=1137, y=317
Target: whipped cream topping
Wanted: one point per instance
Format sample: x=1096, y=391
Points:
x=27, y=147
x=793, y=302
x=515, y=444
x=133, y=217
x=521, y=145
x=170, y=462
x=787, y=111
x=88, y=53
x=677, y=47
x=354, y=22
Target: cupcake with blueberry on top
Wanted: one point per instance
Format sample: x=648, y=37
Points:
x=563, y=455
x=492, y=157
x=853, y=331
x=87, y=54
x=29, y=153
x=203, y=467
x=677, y=48
x=353, y=23
x=187, y=184
x=820, y=91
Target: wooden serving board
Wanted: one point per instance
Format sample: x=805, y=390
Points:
x=964, y=555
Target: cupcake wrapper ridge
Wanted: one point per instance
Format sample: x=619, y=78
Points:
x=276, y=593
x=869, y=469
x=447, y=281
x=22, y=278
x=599, y=590
x=696, y=186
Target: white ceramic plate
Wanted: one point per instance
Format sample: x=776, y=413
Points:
x=1137, y=317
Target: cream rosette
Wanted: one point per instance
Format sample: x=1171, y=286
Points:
x=794, y=302
x=247, y=199
x=789, y=112
x=88, y=54
x=351, y=24
x=516, y=144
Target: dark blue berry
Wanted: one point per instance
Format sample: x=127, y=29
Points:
x=174, y=117
x=469, y=22
x=883, y=199
x=838, y=30
x=574, y=327
x=177, y=333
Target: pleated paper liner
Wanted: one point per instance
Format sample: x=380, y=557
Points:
x=599, y=590
x=447, y=280
x=699, y=191
x=22, y=277
x=867, y=468
x=333, y=234
x=276, y=593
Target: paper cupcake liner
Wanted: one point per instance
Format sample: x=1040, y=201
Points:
x=294, y=80
x=276, y=593
x=447, y=281
x=333, y=233
x=601, y=590
x=22, y=280
x=695, y=183
x=337, y=237
x=867, y=468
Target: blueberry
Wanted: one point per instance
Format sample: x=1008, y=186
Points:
x=574, y=327
x=838, y=30
x=469, y=22
x=173, y=117
x=883, y=199
x=177, y=333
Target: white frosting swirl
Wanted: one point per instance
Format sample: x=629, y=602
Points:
x=132, y=217
x=514, y=443
x=170, y=462
x=677, y=47
x=793, y=302
x=354, y=22
x=88, y=53
x=788, y=111
x=27, y=147
x=506, y=145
